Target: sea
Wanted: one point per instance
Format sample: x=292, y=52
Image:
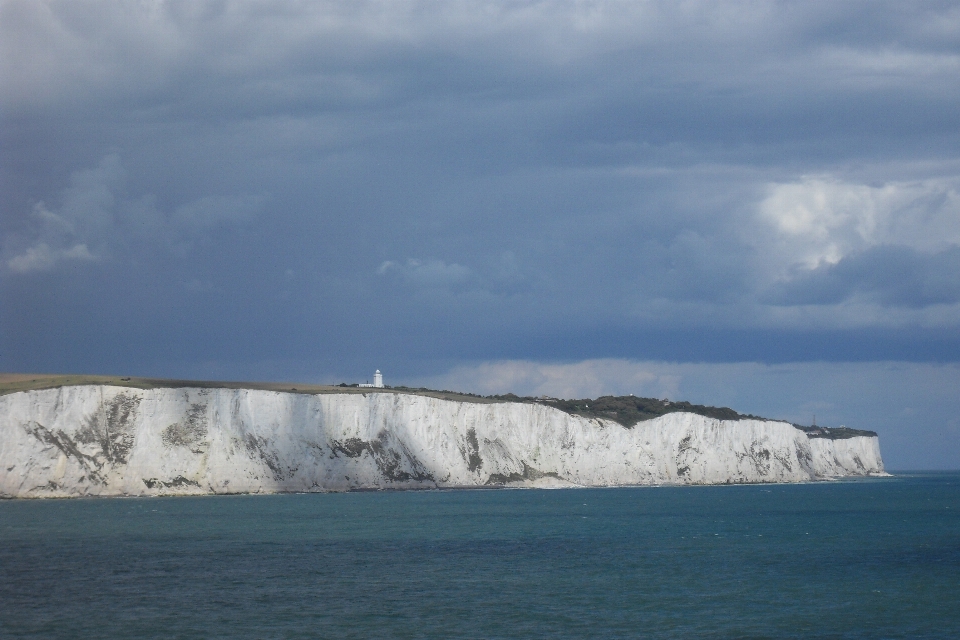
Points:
x=874, y=558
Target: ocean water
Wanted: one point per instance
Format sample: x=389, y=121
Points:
x=854, y=559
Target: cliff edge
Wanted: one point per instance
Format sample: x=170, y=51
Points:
x=110, y=440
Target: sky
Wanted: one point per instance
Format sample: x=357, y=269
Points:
x=748, y=204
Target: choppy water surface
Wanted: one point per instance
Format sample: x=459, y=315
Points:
x=871, y=559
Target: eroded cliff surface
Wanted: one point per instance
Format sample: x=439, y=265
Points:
x=105, y=440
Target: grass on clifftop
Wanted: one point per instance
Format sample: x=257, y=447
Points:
x=625, y=410
x=14, y=382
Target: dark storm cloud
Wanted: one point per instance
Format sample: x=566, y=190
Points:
x=214, y=187
x=892, y=275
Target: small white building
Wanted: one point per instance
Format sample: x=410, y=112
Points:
x=377, y=381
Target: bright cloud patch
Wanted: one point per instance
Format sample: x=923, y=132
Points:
x=43, y=258
x=819, y=220
x=830, y=241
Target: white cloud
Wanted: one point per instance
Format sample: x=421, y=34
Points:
x=819, y=220
x=42, y=258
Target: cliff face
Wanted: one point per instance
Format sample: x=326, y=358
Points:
x=103, y=440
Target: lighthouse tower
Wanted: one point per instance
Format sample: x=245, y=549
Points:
x=378, y=379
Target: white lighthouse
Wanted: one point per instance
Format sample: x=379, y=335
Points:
x=377, y=381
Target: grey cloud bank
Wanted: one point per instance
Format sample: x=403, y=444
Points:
x=276, y=191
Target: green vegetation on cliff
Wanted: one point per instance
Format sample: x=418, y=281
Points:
x=629, y=410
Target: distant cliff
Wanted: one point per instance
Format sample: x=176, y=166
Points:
x=111, y=440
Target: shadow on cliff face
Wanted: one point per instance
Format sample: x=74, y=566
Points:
x=472, y=454
x=176, y=483
x=91, y=464
x=394, y=465
x=259, y=446
x=189, y=432
x=112, y=427
x=109, y=432
x=529, y=473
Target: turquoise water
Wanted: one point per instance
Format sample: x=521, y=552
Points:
x=859, y=559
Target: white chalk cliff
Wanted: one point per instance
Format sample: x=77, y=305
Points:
x=105, y=440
